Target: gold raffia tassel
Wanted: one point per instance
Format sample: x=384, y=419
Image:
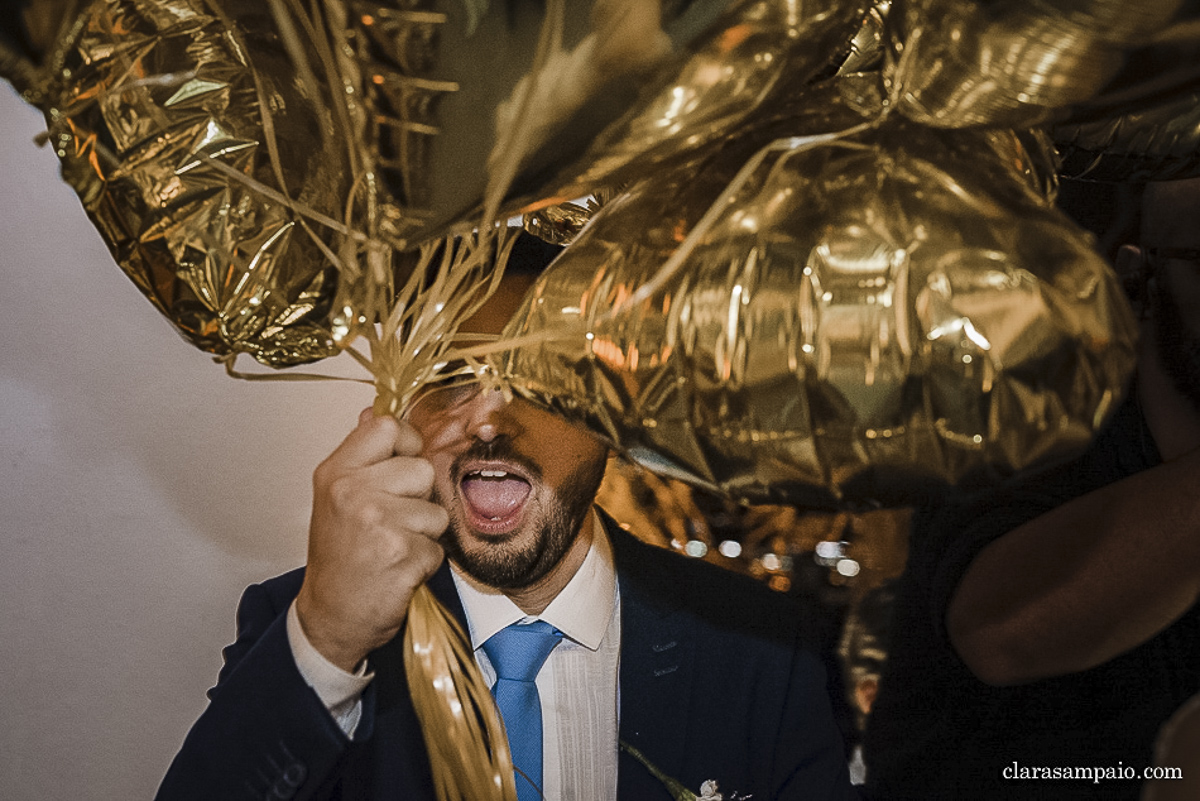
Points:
x=455, y=707
x=412, y=346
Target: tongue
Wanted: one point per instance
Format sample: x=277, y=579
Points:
x=495, y=497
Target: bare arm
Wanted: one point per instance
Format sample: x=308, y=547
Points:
x=1085, y=582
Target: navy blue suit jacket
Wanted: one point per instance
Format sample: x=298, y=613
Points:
x=716, y=682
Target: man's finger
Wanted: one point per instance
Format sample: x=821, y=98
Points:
x=374, y=440
x=421, y=516
x=408, y=476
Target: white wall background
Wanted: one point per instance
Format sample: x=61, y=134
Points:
x=140, y=491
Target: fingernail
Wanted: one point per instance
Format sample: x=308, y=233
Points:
x=365, y=416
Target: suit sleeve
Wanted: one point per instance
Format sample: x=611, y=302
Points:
x=810, y=758
x=265, y=734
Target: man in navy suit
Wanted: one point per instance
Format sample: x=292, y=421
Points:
x=705, y=673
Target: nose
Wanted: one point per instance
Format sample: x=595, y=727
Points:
x=488, y=416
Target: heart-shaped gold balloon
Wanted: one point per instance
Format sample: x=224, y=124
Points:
x=851, y=312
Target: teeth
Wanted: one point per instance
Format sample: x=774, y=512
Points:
x=492, y=473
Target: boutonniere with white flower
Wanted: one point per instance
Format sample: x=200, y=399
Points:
x=709, y=791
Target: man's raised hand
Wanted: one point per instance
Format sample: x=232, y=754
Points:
x=372, y=541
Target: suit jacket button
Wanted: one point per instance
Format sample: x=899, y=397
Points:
x=293, y=776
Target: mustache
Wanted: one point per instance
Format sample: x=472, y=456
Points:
x=499, y=449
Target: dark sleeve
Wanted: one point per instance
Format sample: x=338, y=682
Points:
x=810, y=757
x=265, y=734
x=788, y=712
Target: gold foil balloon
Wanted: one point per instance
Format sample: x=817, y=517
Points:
x=837, y=319
x=482, y=108
x=1160, y=143
x=957, y=63
x=744, y=68
x=867, y=46
x=560, y=223
x=252, y=165
x=156, y=117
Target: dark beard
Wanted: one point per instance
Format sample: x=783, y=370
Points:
x=1179, y=352
x=507, y=569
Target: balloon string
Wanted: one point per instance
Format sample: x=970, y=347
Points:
x=465, y=737
x=510, y=148
x=72, y=24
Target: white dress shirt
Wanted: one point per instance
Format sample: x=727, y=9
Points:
x=577, y=684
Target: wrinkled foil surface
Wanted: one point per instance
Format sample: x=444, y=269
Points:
x=745, y=68
x=958, y=63
x=381, y=123
x=1160, y=143
x=853, y=317
x=195, y=145
x=154, y=93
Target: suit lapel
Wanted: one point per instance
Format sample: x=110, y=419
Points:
x=441, y=584
x=656, y=673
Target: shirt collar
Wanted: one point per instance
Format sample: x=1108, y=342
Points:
x=582, y=610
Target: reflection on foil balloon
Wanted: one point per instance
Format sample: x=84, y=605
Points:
x=159, y=132
x=559, y=224
x=866, y=48
x=428, y=93
x=751, y=60
x=849, y=317
x=503, y=107
x=1161, y=143
x=972, y=62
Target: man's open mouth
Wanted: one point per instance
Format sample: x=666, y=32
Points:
x=494, y=498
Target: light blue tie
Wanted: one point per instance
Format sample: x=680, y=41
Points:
x=517, y=653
